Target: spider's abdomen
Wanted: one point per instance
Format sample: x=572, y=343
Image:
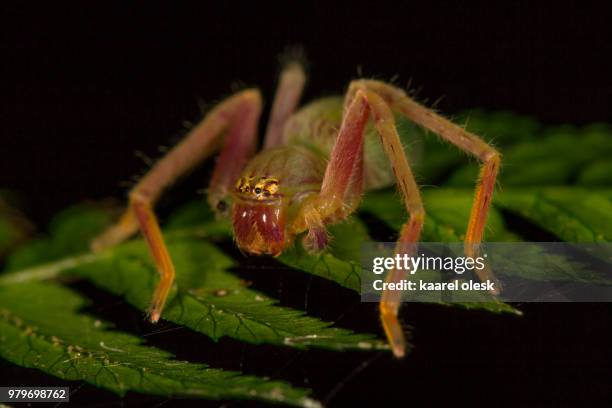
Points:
x=316, y=125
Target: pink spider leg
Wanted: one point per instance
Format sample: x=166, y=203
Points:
x=464, y=140
x=237, y=117
x=286, y=100
x=343, y=178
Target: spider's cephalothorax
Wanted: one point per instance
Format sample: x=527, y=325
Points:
x=271, y=187
x=312, y=171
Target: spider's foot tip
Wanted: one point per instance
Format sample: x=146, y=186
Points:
x=497, y=288
x=399, y=351
x=154, y=316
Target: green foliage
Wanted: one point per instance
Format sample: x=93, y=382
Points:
x=557, y=156
x=68, y=344
x=42, y=325
x=447, y=214
x=341, y=262
x=207, y=298
x=572, y=214
x=211, y=300
x=502, y=129
x=69, y=233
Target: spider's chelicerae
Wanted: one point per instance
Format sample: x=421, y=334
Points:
x=315, y=164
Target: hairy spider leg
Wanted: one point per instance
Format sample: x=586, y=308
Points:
x=464, y=140
x=343, y=178
x=237, y=117
x=288, y=93
x=379, y=99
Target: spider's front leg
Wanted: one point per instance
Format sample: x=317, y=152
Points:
x=236, y=118
x=343, y=181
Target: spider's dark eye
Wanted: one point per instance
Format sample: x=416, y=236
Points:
x=257, y=190
x=221, y=206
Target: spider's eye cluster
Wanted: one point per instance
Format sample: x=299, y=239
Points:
x=261, y=189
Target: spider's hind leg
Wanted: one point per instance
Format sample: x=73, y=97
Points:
x=287, y=97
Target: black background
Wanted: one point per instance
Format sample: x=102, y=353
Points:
x=84, y=88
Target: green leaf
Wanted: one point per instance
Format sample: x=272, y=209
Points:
x=598, y=173
x=501, y=129
x=342, y=265
x=213, y=301
x=447, y=214
x=572, y=214
x=207, y=298
x=341, y=262
x=69, y=232
x=68, y=344
x=554, y=157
